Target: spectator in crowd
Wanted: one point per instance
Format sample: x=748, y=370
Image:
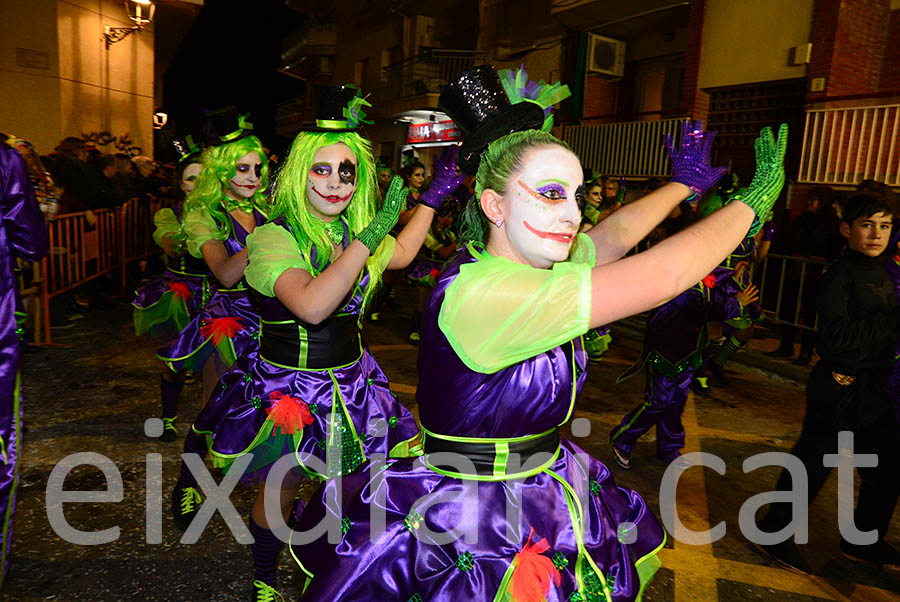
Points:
x=812, y=235
x=45, y=189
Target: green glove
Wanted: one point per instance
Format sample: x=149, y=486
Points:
x=386, y=217
x=769, y=177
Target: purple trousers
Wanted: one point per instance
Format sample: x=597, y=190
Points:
x=663, y=405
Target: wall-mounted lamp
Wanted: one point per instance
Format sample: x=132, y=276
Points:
x=160, y=120
x=140, y=12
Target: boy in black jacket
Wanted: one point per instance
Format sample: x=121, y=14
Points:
x=847, y=389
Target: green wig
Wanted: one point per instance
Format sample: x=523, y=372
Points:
x=291, y=203
x=219, y=166
x=500, y=160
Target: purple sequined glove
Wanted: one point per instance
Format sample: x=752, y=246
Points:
x=690, y=163
x=445, y=180
x=769, y=229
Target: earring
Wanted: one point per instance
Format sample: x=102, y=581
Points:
x=499, y=222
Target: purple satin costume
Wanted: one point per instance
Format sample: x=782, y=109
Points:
x=674, y=340
x=743, y=252
x=339, y=375
x=182, y=271
x=525, y=402
x=190, y=349
x=23, y=233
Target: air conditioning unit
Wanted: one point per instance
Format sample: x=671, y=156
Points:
x=605, y=56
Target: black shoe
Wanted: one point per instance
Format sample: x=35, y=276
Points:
x=718, y=374
x=802, y=359
x=185, y=503
x=786, y=555
x=170, y=433
x=622, y=459
x=879, y=554
x=263, y=592
x=699, y=389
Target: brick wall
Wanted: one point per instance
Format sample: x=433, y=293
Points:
x=849, y=39
x=694, y=99
x=599, y=100
x=890, y=65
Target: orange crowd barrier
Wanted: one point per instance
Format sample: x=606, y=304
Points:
x=90, y=244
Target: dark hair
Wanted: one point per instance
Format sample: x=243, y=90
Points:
x=822, y=193
x=70, y=147
x=409, y=168
x=865, y=205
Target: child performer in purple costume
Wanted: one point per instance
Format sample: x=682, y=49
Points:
x=165, y=305
x=674, y=341
x=500, y=366
x=225, y=206
x=316, y=265
x=23, y=233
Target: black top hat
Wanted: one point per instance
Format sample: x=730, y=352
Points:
x=477, y=103
x=331, y=102
x=226, y=125
x=187, y=150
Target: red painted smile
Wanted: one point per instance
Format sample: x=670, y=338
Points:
x=557, y=236
x=333, y=198
x=247, y=186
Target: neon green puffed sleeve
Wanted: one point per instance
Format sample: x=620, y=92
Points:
x=497, y=313
x=167, y=225
x=200, y=228
x=584, y=250
x=383, y=254
x=271, y=250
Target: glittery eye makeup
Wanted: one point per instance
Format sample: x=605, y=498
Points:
x=322, y=170
x=549, y=191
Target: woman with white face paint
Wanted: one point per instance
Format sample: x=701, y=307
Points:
x=314, y=395
x=224, y=207
x=165, y=305
x=501, y=506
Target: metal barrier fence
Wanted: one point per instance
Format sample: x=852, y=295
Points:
x=795, y=280
x=624, y=149
x=90, y=244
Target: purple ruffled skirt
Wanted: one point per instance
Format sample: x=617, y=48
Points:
x=165, y=305
x=493, y=521
x=234, y=315
x=367, y=418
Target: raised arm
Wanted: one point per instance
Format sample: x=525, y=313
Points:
x=445, y=181
x=691, y=174
x=313, y=299
x=646, y=280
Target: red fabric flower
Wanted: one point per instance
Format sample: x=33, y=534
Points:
x=180, y=290
x=709, y=281
x=289, y=413
x=435, y=273
x=533, y=573
x=221, y=328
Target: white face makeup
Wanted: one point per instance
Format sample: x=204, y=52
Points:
x=246, y=179
x=541, y=215
x=189, y=177
x=331, y=181
x=595, y=196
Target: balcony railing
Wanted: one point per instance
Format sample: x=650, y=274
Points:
x=624, y=149
x=427, y=73
x=848, y=145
